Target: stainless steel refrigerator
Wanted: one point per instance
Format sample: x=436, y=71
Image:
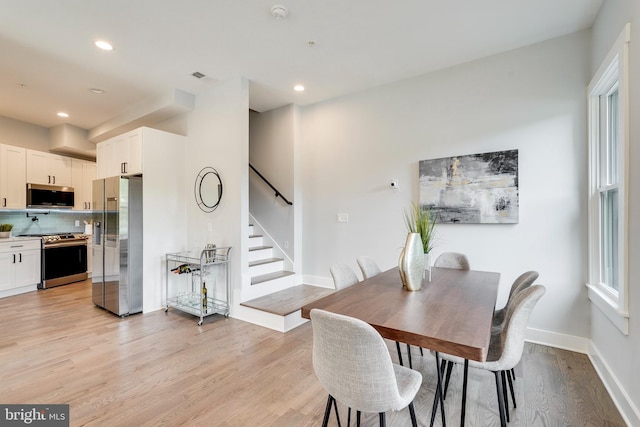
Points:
x=117, y=244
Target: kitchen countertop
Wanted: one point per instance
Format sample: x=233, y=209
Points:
x=18, y=239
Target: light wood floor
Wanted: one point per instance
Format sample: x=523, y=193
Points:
x=161, y=369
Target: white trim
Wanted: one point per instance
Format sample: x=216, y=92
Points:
x=613, y=70
x=609, y=308
x=629, y=412
x=557, y=340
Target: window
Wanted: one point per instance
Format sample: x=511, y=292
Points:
x=608, y=136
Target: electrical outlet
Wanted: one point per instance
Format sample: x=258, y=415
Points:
x=342, y=217
x=77, y=223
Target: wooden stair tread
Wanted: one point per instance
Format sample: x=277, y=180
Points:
x=259, y=248
x=288, y=301
x=270, y=276
x=264, y=261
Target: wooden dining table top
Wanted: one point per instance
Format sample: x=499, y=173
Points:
x=452, y=313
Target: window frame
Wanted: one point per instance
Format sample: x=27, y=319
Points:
x=613, y=74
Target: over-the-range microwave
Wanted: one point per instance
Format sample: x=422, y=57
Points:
x=41, y=196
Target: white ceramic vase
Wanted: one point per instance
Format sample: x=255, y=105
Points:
x=411, y=263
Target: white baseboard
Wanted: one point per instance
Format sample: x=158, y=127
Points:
x=554, y=339
x=621, y=399
x=323, y=282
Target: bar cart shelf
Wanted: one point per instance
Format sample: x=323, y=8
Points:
x=189, y=272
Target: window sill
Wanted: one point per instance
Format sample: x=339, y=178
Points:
x=609, y=308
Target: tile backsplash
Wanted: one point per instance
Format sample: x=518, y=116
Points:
x=53, y=222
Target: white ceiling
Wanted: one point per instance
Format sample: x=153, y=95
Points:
x=47, y=46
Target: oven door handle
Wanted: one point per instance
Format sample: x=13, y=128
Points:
x=65, y=244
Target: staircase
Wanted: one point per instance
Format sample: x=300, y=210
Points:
x=274, y=300
x=267, y=270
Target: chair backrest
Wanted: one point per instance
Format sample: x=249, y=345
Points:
x=343, y=276
x=368, y=266
x=522, y=282
x=352, y=362
x=516, y=321
x=453, y=260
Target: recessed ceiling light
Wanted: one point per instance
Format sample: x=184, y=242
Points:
x=298, y=88
x=63, y=114
x=104, y=45
x=96, y=90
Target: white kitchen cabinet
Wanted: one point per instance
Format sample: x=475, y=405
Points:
x=121, y=155
x=13, y=177
x=82, y=175
x=46, y=168
x=19, y=265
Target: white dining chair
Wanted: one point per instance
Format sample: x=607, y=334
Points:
x=352, y=362
x=368, y=267
x=452, y=260
x=343, y=276
x=505, y=348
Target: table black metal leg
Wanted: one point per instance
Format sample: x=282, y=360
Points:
x=503, y=418
x=464, y=392
x=399, y=353
x=438, y=397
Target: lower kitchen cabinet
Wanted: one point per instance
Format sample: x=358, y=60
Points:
x=19, y=266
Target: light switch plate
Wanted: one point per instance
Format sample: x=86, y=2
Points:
x=342, y=217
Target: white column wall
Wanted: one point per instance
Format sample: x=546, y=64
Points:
x=616, y=355
x=218, y=136
x=531, y=99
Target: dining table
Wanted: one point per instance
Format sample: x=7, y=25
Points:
x=452, y=313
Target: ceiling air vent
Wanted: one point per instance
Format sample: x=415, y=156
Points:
x=198, y=75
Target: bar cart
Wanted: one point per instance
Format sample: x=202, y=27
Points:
x=197, y=282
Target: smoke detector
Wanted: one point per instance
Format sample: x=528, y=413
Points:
x=279, y=11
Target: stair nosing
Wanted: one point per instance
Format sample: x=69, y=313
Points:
x=264, y=261
x=270, y=276
x=259, y=248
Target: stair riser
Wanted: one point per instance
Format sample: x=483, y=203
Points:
x=271, y=267
x=260, y=254
x=271, y=286
x=256, y=241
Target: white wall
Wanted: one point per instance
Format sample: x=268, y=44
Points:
x=218, y=137
x=616, y=355
x=23, y=134
x=271, y=152
x=531, y=99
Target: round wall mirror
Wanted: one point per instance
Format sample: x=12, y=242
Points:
x=208, y=189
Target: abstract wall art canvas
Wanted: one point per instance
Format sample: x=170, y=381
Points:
x=472, y=189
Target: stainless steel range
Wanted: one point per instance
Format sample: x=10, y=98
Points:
x=64, y=258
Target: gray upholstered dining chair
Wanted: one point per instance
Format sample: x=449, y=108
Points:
x=522, y=282
x=505, y=348
x=351, y=360
x=343, y=276
x=452, y=260
x=368, y=267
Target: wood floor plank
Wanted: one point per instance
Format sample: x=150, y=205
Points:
x=161, y=369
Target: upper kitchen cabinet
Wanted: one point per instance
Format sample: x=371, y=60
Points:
x=82, y=175
x=46, y=168
x=121, y=155
x=13, y=177
x=124, y=154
